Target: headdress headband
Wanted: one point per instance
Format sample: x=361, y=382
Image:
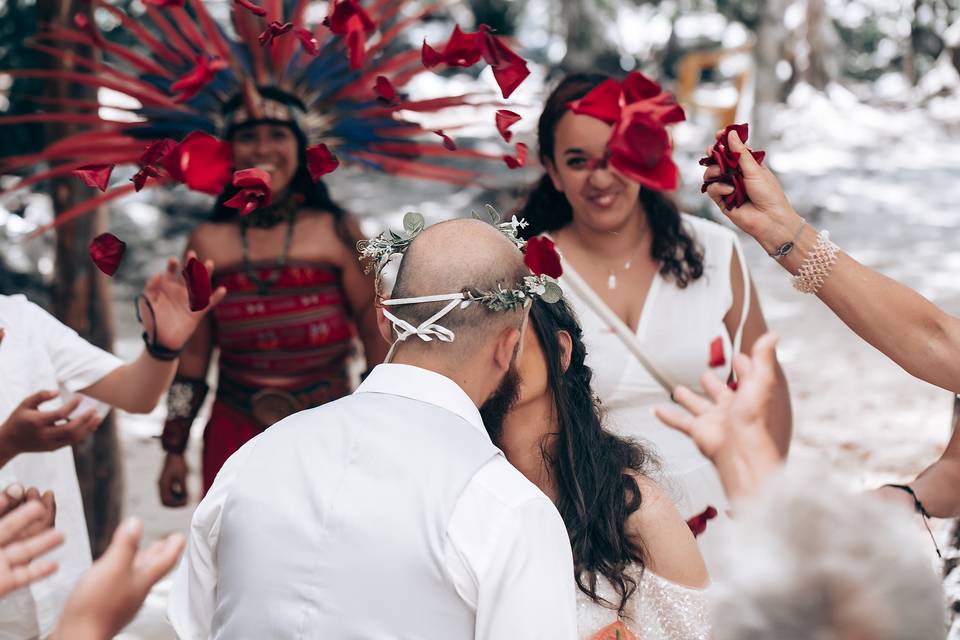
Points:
x=540, y=284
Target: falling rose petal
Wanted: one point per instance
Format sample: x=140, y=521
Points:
x=252, y=8
x=519, y=160
x=95, y=175
x=509, y=69
x=139, y=179
x=202, y=162
x=448, y=142
x=193, y=81
x=274, y=30
x=320, y=161
x=717, y=357
x=199, y=289
x=698, y=523
x=254, y=186
x=733, y=384
x=541, y=257
x=461, y=50
x=165, y=3
x=640, y=149
x=307, y=41
x=506, y=119
x=156, y=151
x=349, y=19
x=602, y=102
x=106, y=251
x=385, y=91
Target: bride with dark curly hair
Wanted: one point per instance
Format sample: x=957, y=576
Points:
x=677, y=284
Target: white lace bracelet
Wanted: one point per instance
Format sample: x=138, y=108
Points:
x=817, y=265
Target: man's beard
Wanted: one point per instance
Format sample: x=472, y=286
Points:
x=498, y=405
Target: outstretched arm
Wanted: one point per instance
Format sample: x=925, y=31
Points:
x=895, y=319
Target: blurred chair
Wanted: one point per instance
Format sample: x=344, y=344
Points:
x=723, y=99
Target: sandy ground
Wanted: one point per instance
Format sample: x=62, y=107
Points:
x=888, y=196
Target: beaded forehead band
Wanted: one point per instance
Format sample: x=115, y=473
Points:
x=381, y=249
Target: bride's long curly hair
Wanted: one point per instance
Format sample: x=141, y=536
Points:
x=547, y=209
x=593, y=469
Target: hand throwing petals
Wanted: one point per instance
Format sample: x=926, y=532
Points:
x=729, y=162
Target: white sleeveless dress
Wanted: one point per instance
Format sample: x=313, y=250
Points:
x=659, y=610
x=675, y=331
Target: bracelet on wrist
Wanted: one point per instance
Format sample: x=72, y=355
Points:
x=787, y=247
x=817, y=266
x=154, y=348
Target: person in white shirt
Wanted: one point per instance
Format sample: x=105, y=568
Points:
x=41, y=362
x=390, y=513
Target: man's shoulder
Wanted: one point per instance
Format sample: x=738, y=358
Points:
x=499, y=483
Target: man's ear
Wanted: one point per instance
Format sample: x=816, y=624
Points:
x=553, y=173
x=384, y=325
x=505, y=348
x=566, y=349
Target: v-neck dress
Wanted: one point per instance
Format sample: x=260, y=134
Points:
x=675, y=331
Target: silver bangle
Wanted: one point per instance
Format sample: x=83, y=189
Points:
x=787, y=247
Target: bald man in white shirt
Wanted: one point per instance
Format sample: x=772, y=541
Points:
x=390, y=513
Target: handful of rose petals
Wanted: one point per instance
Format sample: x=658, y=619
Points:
x=199, y=288
x=106, y=251
x=254, y=185
x=729, y=163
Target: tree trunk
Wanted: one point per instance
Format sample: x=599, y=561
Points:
x=81, y=299
x=770, y=36
x=822, y=46
x=582, y=37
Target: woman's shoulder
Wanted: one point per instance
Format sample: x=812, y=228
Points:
x=672, y=551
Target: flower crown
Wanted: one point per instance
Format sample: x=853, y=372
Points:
x=540, y=257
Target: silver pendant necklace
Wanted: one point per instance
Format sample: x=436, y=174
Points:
x=612, y=278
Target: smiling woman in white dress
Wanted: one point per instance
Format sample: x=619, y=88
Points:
x=676, y=284
x=636, y=563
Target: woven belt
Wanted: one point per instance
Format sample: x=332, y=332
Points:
x=268, y=405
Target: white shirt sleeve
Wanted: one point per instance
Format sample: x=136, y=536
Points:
x=193, y=597
x=77, y=363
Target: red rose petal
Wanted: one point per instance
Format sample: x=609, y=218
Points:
x=156, y=151
x=95, y=175
x=541, y=257
x=165, y=3
x=509, y=69
x=640, y=149
x=521, y=158
x=307, y=41
x=385, y=91
x=202, y=162
x=698, y=523
x=429, y=56
x=199, y=287
x=349, y=19
x=448, y=142
x=320, y=161
x=274, y=30
x=602, y=102
x=504, y=120
x=254, y=185
x=106, y=251
x=252, y=8
x=717, y=356
x=191, y=83
x=139, y=179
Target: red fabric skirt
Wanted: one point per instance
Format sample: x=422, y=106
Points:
x=227, y=431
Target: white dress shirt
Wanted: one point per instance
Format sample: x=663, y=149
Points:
x=41, y=354
x=386, y=514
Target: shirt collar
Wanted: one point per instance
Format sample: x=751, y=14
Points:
x=424, y=385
